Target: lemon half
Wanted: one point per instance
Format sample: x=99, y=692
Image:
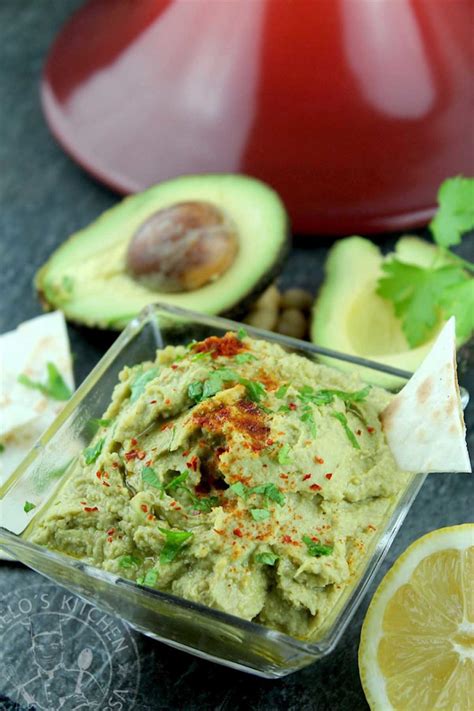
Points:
x=417, y=642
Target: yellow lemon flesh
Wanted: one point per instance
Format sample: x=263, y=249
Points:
x=417, y=642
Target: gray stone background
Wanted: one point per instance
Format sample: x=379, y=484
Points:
x=44, y=197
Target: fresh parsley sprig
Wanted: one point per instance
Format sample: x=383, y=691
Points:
x=424, y=296
x=54, y=388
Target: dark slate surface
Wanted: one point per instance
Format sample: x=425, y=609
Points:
x=44, y=198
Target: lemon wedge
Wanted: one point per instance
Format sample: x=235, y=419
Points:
x=417, y=642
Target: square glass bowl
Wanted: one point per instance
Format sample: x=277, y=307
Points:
x=189, y=626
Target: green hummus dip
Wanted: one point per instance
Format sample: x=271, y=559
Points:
x=236, y=475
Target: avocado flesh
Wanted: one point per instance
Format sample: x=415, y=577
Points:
x=86, y=276
x=349, y=315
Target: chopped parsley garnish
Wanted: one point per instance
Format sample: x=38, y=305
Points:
x=239, y=489
x=283, y=408
x=255, y=390
x=281, y=392
x=91, y=453
x=28, y=506
x=175, y=540
x=200, y=355
x=195, y=391
x=126, y=561
x=205, y=503
x=2, y=447
x=139, y=384
x=177, y=482
x=327, y=396
x=267, y=558
x=149, y=477
x=244, y=358
x=100, y=422
x=271, y=491
x=54, y=388
x=242, y=333
x=316, y=549
x=422, y=295
x=350, y=435
x=284, y=455
x=212, y=386
x=150, y=578
x=308, y=417
x=259, y=514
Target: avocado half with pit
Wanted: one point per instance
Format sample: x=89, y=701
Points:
x=349, y=315
x=209, y=243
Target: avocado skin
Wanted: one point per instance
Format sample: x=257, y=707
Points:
x=280, y=242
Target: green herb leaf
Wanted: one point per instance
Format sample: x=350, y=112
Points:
x=458, y=301
x=350, y=435
x=175, y=540
x=54, y=388
x=244, y=358
x=255, y=390
x=259, y=514
x=416, y=294
x=212, y=386
x=126, y=561
x=140, y=383
x=177, y=481
x=28, y=506
x=150, y=578
x=195, y=390
x=271, y=491
x=308, y=417
x=2, y=447
x=327, y=396
x=205, y=503
x=241, y=333
x=267, y=558
x=91, y=453
x=239, y=489
x=455, y=214
x=283, y=408
x=317, y=549
x=149, y=477
x=281, y=392
x=284, y=455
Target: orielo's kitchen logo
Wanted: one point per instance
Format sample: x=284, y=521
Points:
x=59, y=653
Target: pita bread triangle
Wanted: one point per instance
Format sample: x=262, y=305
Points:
x=424, y=423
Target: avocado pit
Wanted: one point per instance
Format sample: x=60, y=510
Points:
x=182, y=247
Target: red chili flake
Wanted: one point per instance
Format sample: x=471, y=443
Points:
x=372, y=528
x=286, y=539
x=150, y=517
x=167, y=401
x=166, y=426
x=270, y=442
x=283, y=476
x=358, y=432
x=82, y=502
x=185, y=454
x=314, y=538
x=98, y=474
x=110, y=532
x=319, y=460
x=193, y=463
x=174, y=366
x=292, y=405
x=315, y=487
x=307, y=476
x=217, y=530
x=144, y=508
x=237, y=532
x=328, y=475
x=105, y=483
x=141, y=455
x=153, y=402
x=133, y=442
x=110, y=539
x=370, y=430
x=178, y=508
x=132, y=454
x=115, y=465
x=149, y=463
x=91, y=508
x=106, y=474
x=173, y=504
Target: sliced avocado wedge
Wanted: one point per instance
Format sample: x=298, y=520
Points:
x=349, y=315
x=92, y=279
